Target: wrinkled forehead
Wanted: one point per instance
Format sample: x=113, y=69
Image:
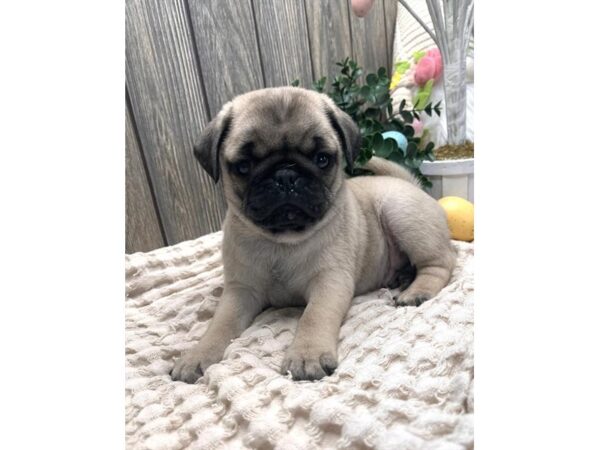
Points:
x=270, y=123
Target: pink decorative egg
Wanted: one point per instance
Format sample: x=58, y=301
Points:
x=418, y=127
x=361, y=8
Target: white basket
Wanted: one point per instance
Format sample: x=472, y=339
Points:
x=450, y=177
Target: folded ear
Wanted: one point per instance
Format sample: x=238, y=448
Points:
x=347, y=131
x=207, y=150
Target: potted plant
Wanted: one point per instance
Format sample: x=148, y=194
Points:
x=385, y=132
x=452, y=171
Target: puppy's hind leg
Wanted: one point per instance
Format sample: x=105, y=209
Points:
x=404, y=278
x=429, y=281
x=421, y=231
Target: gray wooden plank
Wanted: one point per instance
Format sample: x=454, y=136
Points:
x=390, y=7
x=165, y=88
x=142, y=228
x=369, y=39
x=227, y=45
x=329, y=35
x=283, y=42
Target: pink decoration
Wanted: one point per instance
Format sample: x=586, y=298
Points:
x=417, y=126
x=361, y=8
x=429, y=67
x=437, y=57
x=424, y=70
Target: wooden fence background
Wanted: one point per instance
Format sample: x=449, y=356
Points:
x=186, y=58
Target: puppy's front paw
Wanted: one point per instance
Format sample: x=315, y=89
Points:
x=411, y=298
x=309, y=365
x=191, y=365
x=188, y=368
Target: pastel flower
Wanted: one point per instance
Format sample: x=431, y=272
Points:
x=424, y=70
x=437, y=57
x=429, y=67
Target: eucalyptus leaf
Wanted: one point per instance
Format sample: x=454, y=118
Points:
x=389, y=145
x=398, y=125
x=382, y=99
x=410, y=163
x=372, y=112
x=397, y=157
x=371, y=79
x=407, y=116
x=377, y=143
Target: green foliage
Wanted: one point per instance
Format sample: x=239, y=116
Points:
x=370, y=106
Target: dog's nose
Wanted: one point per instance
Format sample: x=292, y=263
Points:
x=286, y=178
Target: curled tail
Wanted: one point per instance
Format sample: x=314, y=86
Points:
x=380, y=166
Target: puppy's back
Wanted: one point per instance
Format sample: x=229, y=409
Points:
x=380, y=166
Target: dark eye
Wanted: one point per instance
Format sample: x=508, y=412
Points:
x=242, y=167
x=322, y=160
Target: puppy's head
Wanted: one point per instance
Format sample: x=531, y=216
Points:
x=280, y=153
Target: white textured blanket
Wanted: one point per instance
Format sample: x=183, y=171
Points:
x=404, y=380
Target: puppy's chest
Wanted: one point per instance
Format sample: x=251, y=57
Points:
x=285, y=288
x=287, y=283
x=283, y=274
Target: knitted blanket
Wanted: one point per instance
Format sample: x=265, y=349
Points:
x=404, y=380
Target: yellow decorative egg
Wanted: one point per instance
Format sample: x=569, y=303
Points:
x=461, y=217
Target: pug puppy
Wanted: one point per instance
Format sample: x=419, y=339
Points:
x=299, y=233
